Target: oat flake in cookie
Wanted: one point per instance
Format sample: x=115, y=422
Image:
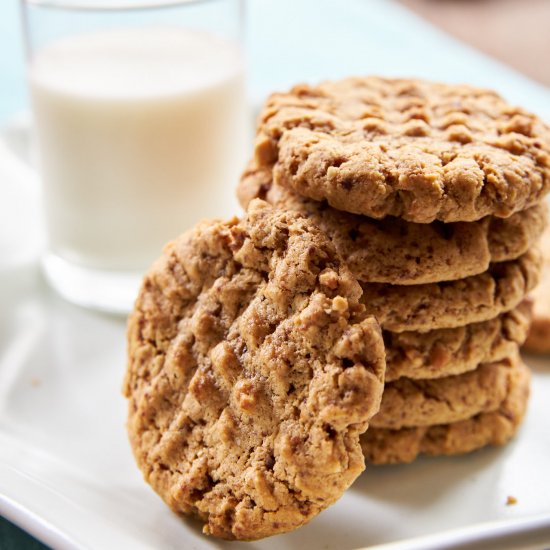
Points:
x=252, y=371
x=418, y=150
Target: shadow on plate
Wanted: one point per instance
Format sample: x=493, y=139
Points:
x=427, y=480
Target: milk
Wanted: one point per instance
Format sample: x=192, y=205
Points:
x=141, y=134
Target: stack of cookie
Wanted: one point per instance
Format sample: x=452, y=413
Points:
x=432, y=194
x=255, y=356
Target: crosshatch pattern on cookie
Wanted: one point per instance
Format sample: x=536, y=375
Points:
x=252, y=371
x=414, y=149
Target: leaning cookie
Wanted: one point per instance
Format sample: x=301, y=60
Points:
x=538, y=339
x=252, y=371
x=394, y=251
x=383, y=446
x=456, y=303
x=448, y=351
x=410, y=403
x=414, y=149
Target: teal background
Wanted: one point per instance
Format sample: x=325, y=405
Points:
x=13, y=538
x=13, y=96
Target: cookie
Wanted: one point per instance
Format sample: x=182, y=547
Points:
x=398, y=252
x=382, y=446
x=409, y=403
x=456, y=303
x=252, y=370
x=445, y=352
x=538, y=339
x=418, y=150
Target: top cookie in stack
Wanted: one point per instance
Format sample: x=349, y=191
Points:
x=432, y=194
x=417, y=150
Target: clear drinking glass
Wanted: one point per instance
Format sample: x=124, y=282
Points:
x=141, y=123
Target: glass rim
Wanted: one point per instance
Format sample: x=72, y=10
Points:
x=108, y=5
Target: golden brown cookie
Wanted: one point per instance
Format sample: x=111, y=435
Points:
x=539, y=334
x=382, y=446
x=252, y=370
x=418, y=150
x=445, y=352
x=405, y=253
x=409, y=403
x=457, y=303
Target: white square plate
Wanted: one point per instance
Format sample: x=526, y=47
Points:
x=67, y=474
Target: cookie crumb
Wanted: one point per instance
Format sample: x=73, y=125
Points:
x=339, y=304
x=329, y=279
x=35, y=382
x=511, y=501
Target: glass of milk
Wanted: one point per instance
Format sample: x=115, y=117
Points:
x=141, y=126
